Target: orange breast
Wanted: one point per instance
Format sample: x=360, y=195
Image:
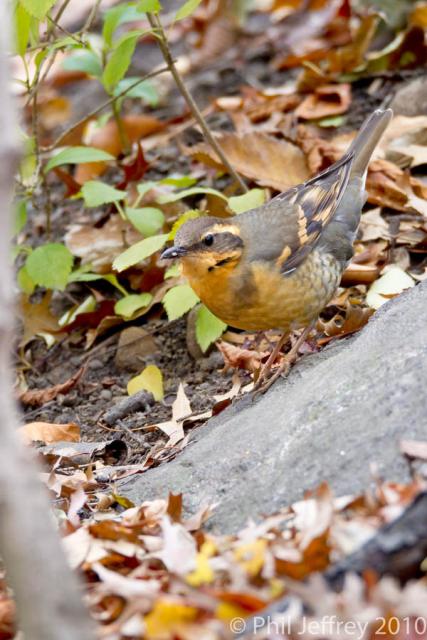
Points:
x=272, y=300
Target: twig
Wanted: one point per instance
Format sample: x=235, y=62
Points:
x=167, y=55
x=102, y=106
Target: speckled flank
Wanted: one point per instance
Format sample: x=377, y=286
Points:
x=279, y=301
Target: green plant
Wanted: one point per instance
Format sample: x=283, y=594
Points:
x=107, y=59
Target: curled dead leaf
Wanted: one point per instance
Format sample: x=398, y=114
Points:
x=38, y=397
x=49, y=433
x=327, y=100
x=237, y=358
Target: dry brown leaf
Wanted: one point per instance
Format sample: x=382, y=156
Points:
x=99, y=246
x=320, y=153
x=267, y=161
x=414, y=449
x=107, y=138
x=238, y=358
x=373, y=226
x=389, y=186
x=38, y=397
x=49, y=433
x=38, y=319
x=359, y=274
x=354, y=319
x=327, y=100
x=405, y=141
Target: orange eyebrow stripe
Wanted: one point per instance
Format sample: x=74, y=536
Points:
x=224, y=228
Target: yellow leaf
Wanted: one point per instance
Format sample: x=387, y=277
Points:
x=165, y=618
x=203, y=573
x=226, y=611
x=150, y=379
x=251, y=556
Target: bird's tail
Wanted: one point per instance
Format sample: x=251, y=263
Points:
x=367, y=139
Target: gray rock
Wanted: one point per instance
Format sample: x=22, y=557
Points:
x=134, y=346
x=337, y=414
x=411, y=99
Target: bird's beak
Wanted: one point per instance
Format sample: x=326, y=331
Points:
x=173, y=252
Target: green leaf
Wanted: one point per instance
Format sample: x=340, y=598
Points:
x=89, y=304
x=180, y=183
x=84, y=60
x=250, y=200
x=150, y=379
x=20, y=216
x=179, y=300
x=151, y=6
x=37, y=8
x=139, y=251
x=127, y=306
x=119, y=61
x=96, y=193
x=84, y=276
x=147, y=220
x=145, y=90
x=208, y=327
x=188, y=215
x=25, y=283
x=187, y=9
x=145, y=187
x=333, y=121
x=116, y=16
x=173, y=197
x=173, y=271
x=77, y=155
x=50, y=265
x=22, y=28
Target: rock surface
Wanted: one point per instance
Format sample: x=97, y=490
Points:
x=337, y=414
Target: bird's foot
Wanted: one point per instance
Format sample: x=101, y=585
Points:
x=264, y=380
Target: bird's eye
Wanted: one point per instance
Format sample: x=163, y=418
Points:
x=208, y=240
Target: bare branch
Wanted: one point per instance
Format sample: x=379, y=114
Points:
x=167, y=55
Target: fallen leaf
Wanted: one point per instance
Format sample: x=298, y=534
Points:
x=405, y=141
x=179, y=548
x=393, y=282
x=49, y=433
x=99, y=246
x=270, y=162
x=151, y=379
x=107, y=138
x=354, y=319
x=166, y=619
x=238, y=358
x=373, y=226
x=413, y=449
x=327, y=100
x=181, y=407
x=38, y=319
x=38, y=397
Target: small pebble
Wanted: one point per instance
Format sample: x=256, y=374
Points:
x=96, y=364
x=106, y=395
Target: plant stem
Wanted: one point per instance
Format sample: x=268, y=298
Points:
x=102, y=106
x=167, y=55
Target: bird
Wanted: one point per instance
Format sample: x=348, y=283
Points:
x=278, y=265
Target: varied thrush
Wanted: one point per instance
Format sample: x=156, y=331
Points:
x=277, y=266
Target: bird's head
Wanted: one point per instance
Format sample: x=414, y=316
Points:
x=206, y=245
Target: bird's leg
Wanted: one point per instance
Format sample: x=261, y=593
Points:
x=264, y=370
x=283, y=368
